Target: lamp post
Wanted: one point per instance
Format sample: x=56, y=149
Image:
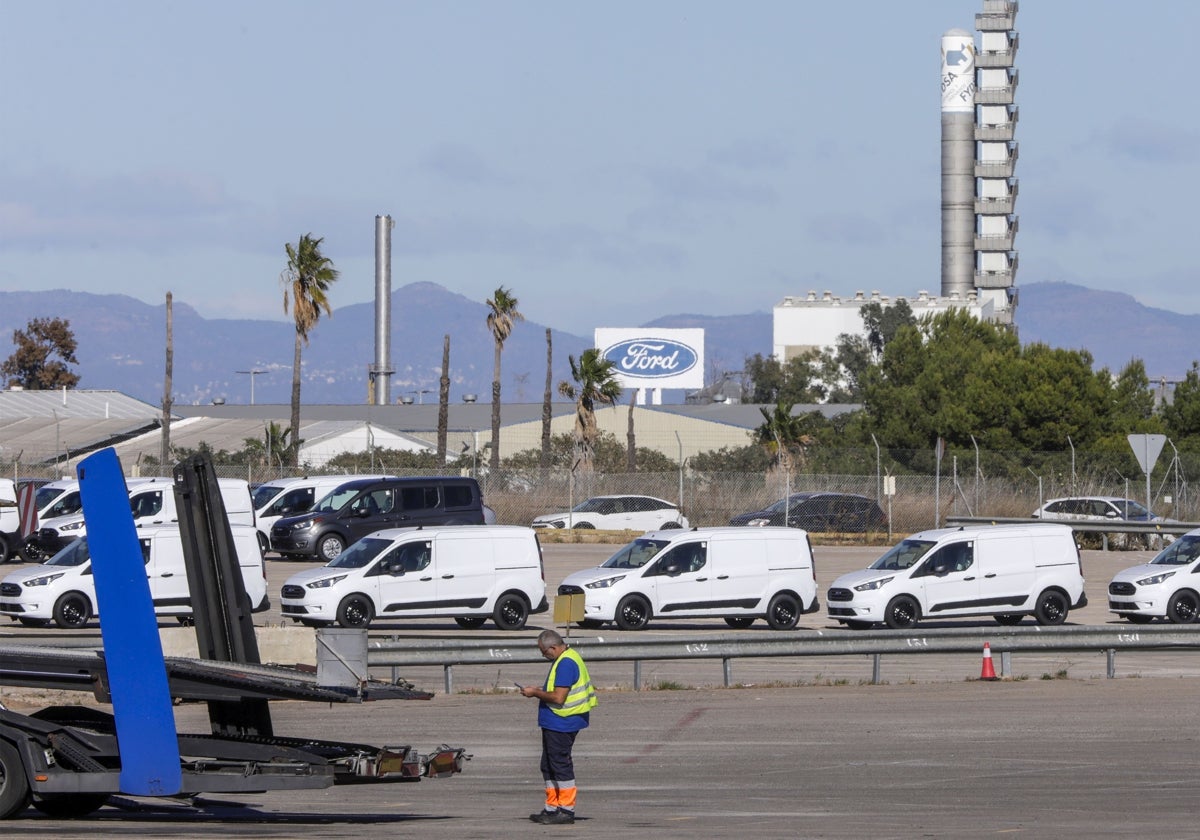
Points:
x=421, y=394
x=252, y=373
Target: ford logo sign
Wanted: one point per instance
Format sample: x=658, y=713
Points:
x=651, y=358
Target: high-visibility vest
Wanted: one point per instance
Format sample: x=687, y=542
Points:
x=581, y=698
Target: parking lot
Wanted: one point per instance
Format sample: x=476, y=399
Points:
x=798, y=749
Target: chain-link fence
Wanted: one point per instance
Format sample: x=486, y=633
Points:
x=911, y=487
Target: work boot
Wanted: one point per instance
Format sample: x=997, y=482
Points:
x=561, y=817
x=544, y=817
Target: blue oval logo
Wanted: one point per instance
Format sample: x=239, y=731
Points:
x=651, y=358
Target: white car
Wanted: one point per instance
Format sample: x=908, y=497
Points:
x=1166, y=587
x=62, y=589
x=617, y=513
x=468, y=573
x=1094, y=508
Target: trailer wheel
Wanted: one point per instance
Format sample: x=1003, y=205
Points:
x=14, y=786
x=69, y=806
x=72, y=610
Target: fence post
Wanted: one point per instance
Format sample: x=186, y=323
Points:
x=637, y=675
x=449, y=670
x=1006, y=663
x=876, y=660
x=1111, y=655
x=727, y=670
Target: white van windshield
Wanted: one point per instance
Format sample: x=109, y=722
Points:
x=264, y=493
x=635, y=555
x=903, y=556
x=335, y=500
x=359, y=554
x=1179, y=553
x=74, y=553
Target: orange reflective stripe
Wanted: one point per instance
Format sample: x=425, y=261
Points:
x=554, y=798
x=566, y=797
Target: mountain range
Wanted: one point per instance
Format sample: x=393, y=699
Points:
x=122, y=344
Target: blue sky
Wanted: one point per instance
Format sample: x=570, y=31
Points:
x=609, y=162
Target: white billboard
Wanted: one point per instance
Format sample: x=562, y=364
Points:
x=646, y=357
x=958, y=72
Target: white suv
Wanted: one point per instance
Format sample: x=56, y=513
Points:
x=1166, y=587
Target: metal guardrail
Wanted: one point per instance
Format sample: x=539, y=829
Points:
x=1082, y=526
x=728, y=646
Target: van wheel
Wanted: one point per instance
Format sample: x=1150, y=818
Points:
x=584, y=526
x=783, y=612
x=633, y=613
x=511, y=612
x=1051, y=607
x=469, y=622
x=3, y=550
x=264, y=544
x=1183, y=607
x=739, y=623
x=902, y=613
x=14, y=785
x=330, y=546
x=1008, y=619
x=32, y=552
x=670, y=525
x=355, y=611
x=72, y=610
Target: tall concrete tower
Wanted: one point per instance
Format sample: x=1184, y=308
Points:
x=958, y=163
x=995, y=253
x=379, y=386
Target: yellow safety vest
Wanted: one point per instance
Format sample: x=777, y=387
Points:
x=581, y=699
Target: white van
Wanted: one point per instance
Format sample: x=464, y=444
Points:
x=1166, y=587
x=61, y=590
x=10, y=519
x=738, y=574
x=1005, y=571
x=291, y=497
x=152, y=501
x=468, y=573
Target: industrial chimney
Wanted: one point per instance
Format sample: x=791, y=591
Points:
x=958, y=163
x=381, y=371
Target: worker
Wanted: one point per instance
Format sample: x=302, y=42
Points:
x=564, y=708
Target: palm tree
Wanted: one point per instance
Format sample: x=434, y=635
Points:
x=595, y=381
x=784, y=434
x=500, y=321
x=306, y=281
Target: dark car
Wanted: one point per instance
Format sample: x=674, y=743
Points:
x=815, y=511
x=366, y=505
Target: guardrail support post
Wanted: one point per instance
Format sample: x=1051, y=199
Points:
x=449, y=670
x=637, y=675
x=1005, y=663
x=1111, y=654
x=876, y=660
x=727, y=670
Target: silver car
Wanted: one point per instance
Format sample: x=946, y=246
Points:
x=617, y=513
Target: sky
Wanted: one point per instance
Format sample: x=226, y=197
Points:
x=609, y=163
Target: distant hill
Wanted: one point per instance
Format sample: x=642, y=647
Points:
x=122, y=343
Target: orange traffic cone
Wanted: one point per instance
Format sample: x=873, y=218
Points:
x=988, y=673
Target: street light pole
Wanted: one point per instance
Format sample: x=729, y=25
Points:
x=253, y=373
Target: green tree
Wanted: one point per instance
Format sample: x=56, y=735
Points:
x=795, y=381
x=44, y=349
x=595, y=382
x=787, y=436
x=502, y=316
x=609, y=456
x=306, y=282
x=1182, y=413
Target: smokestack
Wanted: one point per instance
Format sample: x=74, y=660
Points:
x=381, y=371
x=958, y=163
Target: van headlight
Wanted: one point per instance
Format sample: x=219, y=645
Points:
x=759, y=523
x=73, y=526
x=44, y=579
x=874, y=584
x=1154, y=580
x=604, y=584
x=325, y=583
